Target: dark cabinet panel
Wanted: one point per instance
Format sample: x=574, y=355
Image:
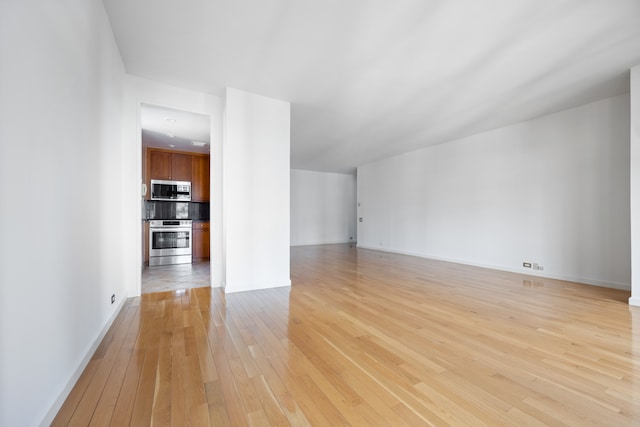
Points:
x=167, y=165
x=200, y=179
x=201, y=239
x=159, y=164
x=180, y=167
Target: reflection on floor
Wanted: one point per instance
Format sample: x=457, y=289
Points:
x=174, y=277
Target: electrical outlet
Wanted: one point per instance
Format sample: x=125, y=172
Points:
x=526, y=264
x=540, y=268
x=536, y=266
x=113, y=298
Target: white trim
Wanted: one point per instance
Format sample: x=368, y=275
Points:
x=634, y=301
x=258, y=287
x=528, y=272
x=57, y=404
x=336, y=242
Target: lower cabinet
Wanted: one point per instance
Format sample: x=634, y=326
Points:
x=200, y=246
x=146, y=242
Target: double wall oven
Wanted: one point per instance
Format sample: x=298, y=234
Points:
x=170, y=237
x=170, y=241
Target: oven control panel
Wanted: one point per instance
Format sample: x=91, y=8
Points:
x=162, y=223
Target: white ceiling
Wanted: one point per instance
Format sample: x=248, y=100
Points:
x=372, y=78
x=174, y=129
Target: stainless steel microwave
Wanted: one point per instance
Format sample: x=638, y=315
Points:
x=177, y=191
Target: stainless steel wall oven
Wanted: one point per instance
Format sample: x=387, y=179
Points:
x=170, y=242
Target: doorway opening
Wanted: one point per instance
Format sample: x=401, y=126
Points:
x=176, y=199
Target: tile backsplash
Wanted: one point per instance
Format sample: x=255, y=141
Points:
x=176, y=210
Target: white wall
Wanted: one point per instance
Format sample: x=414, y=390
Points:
x=137, y=92
x=323, y=208
x=635, y=184
x=256, y=192
x=553, y=190
x=62, y=212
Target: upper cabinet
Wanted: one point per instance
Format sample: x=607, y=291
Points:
x=181, y=167
x=168, y=165
x=200, y=178
x=178, y=166
x=159, y=166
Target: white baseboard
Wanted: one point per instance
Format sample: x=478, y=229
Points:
x=634, y=301
x=332, y=242
x=581, y=280
x=51, y=414
x=256, y=286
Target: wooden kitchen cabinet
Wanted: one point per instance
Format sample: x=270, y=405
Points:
x=159, y=166
x=146, y=243
x=167, y=165
x=180, y=167
x=145, y=174
x=201, y=239
x=200, y=178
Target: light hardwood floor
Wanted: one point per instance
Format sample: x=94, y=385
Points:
x=369, y=338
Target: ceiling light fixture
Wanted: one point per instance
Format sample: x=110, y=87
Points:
x=172, y=146
x=170, y=135
x=199, y=143
x=169, y=119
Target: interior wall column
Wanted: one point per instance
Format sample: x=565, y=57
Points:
x=256, y=194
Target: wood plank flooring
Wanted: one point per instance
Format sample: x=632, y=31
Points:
x=369, y=338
